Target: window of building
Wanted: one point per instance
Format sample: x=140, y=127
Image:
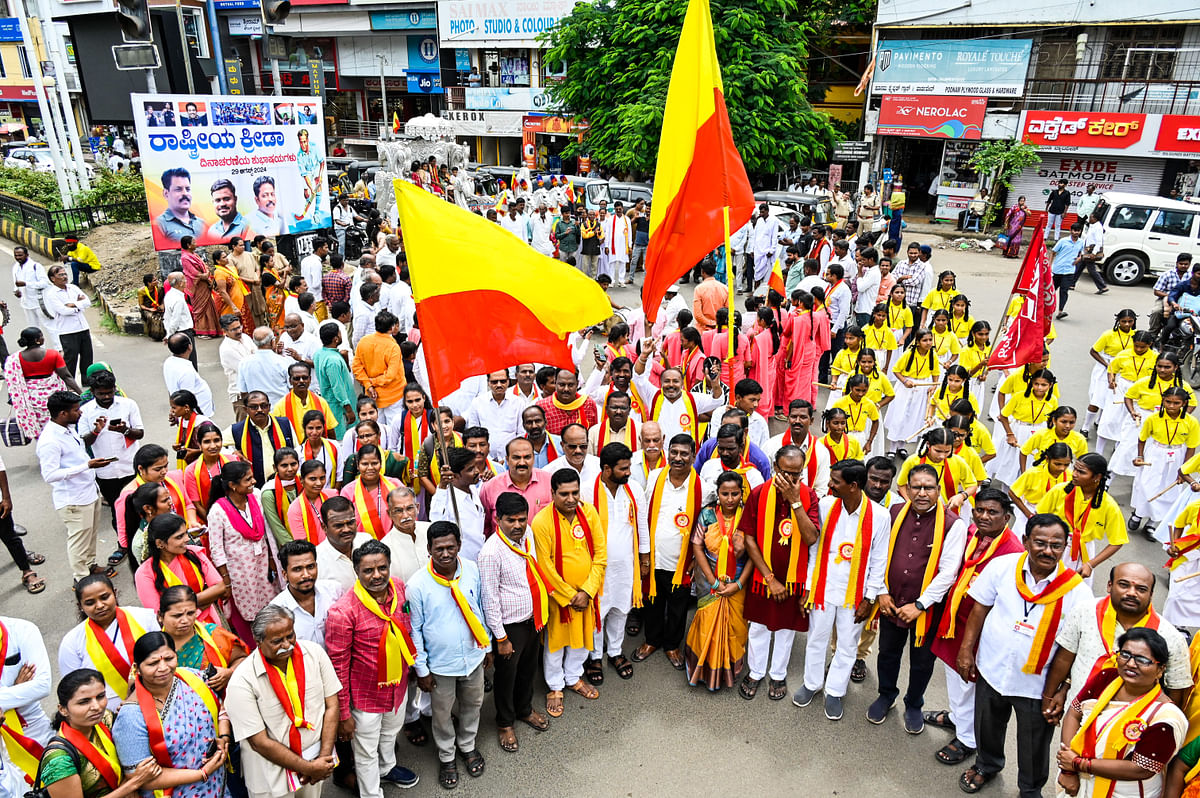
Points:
x=197, y=33
x=1141, y=52
x=26, y=68
x=1054, y=55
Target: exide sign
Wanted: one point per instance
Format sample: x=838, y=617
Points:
x=932, y=116
x=1179, y=134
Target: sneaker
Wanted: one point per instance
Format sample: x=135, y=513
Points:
x=803, y=697
x=879, y=709
x=833, y=707
x=1103, y=291
x=401, y=777
x=1062, y=314
x=914, y=720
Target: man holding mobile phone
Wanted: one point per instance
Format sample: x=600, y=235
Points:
x=112, y=426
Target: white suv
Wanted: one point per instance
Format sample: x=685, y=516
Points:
x=1144, y=234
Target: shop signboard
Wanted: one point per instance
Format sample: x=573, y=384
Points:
x=932, y=117
x=10, y=29
x=507, y=98
x=1154, y=135
x=221, y=166
x=424, y=82
x=852, y=151
x=485, y=123
x=1179, y=134
x=973, y=67
x=509, y=23
x=414, y=19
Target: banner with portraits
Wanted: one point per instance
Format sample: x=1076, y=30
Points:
x=217, y=167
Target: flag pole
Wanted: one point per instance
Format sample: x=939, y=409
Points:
x=445, y=454
x=729, y=277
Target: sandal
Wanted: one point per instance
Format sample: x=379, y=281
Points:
x=554, y=703
x=622, y=666
x=643, y=652
x=108, y=571
x=508, y=739
x=633, y=626
x=748, y=689
x=448, y=775
x=415, y=733
x=940, y=718
x=778, y=690
x=35, y=558
x=117, y=557
x=33, y=583
x=954, y=752
x=594, y=671
x=972, y=781
x=858, y=673
x=475, y=763
x=676, y=659
x=536, y=721
x=584, y=689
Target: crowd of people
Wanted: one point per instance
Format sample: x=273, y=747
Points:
x=353, y=559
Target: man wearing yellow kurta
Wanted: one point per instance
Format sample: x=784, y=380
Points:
x=570, y=542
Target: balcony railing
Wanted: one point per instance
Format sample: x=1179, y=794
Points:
x=1113, y=96
x=358, y=128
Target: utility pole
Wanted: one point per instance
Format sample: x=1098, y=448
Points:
x=53, y=42
x=387, y=125
x=60, y=174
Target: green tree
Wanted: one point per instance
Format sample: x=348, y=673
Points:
x=1002, y=160
x=619, y=56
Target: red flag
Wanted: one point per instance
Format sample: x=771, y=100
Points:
x=1024, y=337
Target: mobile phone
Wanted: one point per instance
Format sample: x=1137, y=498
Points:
x=212, y=749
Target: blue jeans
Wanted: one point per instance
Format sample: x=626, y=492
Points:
x=895, y=230
x=76, y=268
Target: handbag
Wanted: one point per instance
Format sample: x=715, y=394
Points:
x=10, y=433
x=56, y=744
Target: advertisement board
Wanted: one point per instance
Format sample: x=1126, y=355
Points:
x=511, y=23
x=1179, y=134
x=932, y=117
x=978, y=67
x=222, y=166
x=506, y=98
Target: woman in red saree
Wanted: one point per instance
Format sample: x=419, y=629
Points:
x=198, y=288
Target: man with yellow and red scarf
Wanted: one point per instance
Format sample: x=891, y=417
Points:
x=259, y=436
x=616, y=424
x=1020, y=601
x=611, y=376
x=288, y=696
x=780, y=522
x=567, y=405
x=924, y=555
x=816, y=458
x=675, y=408
x=25, y=676
x=988, y=538
x=731, y=455
x=1087, y=639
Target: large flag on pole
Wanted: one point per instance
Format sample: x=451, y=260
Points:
x=699, y=171
x=485, y=299
x=1025, y=335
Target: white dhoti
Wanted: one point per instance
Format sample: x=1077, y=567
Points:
x=763, y=262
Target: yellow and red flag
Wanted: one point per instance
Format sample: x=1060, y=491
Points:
x=775, y=282
x=485, y=299
x=699, y=171
x=1024, y=337
x=395, y=122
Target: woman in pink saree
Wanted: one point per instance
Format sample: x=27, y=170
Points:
x=1014, y=228
x=198, y=287
x=765, y=352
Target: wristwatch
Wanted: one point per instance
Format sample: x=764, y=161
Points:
x=919, y=605
x=797, y=505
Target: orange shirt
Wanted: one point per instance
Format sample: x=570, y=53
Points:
x=379, y=364
x=709, y=296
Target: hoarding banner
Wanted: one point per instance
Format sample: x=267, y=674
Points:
x=222, y=166
x=1082, y=129
x=462, y=21
x=1179, y=134
x=979, y=67
x=932, y=117
x=507, y=98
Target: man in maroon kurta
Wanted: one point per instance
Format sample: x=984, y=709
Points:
x=778, y=551
x=988, y=537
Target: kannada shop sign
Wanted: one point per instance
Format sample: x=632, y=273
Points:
x=932, y=117
x=971, y=67
x=515, y=22
x=222, y=166
x=1066, y=130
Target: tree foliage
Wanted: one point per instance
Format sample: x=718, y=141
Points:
x=619, y=56
x=1002, y=160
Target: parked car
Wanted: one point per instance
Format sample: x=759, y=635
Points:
x=1144, y=234
x=36, y=158
x=628, y=193
x=819, y=209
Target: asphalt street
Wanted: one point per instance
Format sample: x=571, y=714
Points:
x=652, y=735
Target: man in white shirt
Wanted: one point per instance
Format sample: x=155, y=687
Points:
x=296, y=343
x=1093, y=251
x=400, y=299
x=25, y=649
x=617, y=244
x=71, y=475
x=342, y=537
x=650, y=455
x=499, y=412
x=1087, y=203
x=622, y=508
x=816, y=457
x=29, y=280
x=180, y=375
x=364, y=313
x=306, y=595
x=407, y=540
x=390, y=252
x=464, y=509
x=849, y=522
x=112, y=426
x=747, y=393
x=541, y=225
x=515, y=223
x=766, y=238
x=674, y=410
x=343, y=217
x=840, y=305
x=66, y=304
x=868, y=285
x=997, y=650
x=265, y=370
x=574, y=446
x=177, y=318
x=236, y=346
x=312, y=266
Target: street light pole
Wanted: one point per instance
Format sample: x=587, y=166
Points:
x=53, y=42
x=384, y=130
x=60, y=174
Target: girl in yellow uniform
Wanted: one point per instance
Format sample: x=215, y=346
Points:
x=1051, y=468
x=843, y=363
x=1188, y=492
x=954, y=387
x=974, y=358
x=940, y=298
x=840, y=445
x=944, y=343
x=879, y=387
x=960, y=319
x=1124, y=370
x=1092, y=515
x=954, y=475
x=1022, y=416
x=900, y=321
x=1110, y=344
x=981, y=439
x=1016, y=382
x=878, y=336
x=1167, y=439
x=862, y=415
x=963, y=446
x=916, y=371
x=1141, y=399
x=1060, y=428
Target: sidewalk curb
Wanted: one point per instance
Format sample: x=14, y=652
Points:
x=24, y=236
